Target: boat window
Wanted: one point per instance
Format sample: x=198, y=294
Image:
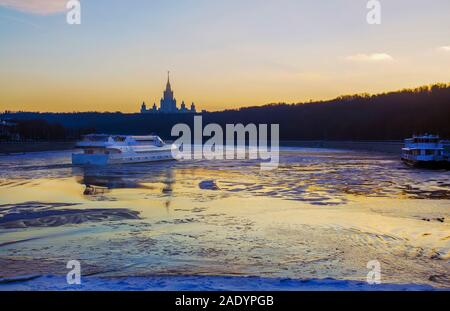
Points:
x=96, y=138
x=119, y=138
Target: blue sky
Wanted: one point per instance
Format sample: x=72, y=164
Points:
x=222, y=54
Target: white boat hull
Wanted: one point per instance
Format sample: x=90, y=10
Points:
x=106, y=159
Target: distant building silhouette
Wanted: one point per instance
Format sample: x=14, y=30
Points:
x=168, y=103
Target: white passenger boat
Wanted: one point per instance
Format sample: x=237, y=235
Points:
x=101, y=149
x=425, y=151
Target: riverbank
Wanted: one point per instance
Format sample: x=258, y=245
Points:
x=23, y=147
x=394, y=147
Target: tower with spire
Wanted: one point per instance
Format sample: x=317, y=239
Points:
x=168, y=103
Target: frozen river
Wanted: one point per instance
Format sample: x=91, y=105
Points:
x=322, y=214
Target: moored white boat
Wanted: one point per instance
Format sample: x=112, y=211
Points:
x=425, y=151
x=103, y=149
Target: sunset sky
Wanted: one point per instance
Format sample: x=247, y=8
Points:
x=221, y=54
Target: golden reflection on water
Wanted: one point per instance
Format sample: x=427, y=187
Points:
x=322, y=214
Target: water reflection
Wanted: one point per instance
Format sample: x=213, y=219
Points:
x=323, y=213
x=100, y=180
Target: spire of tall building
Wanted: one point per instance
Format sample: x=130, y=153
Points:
x=168, y=86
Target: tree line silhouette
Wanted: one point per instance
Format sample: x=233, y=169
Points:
x=387, y=116
x=40, y=130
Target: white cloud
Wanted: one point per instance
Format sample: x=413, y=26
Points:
x=372, y=58
x=444, y=48
x=41, y=7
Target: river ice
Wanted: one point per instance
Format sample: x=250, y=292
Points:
x=322, y=215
